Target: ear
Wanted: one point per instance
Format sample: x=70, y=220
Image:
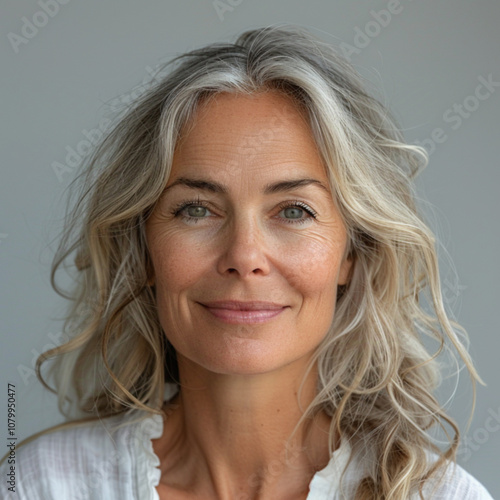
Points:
x=346, y=269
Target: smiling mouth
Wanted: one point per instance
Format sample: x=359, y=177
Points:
x=244, y=312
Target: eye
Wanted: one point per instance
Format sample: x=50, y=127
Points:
x=196, y=211
x=296, y=212
x=191, y=211
x=293, y=212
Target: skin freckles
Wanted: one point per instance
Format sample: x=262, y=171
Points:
x=244, y=244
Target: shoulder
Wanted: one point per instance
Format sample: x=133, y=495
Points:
x=451, y=482
x=74, y=461
x=456, y=483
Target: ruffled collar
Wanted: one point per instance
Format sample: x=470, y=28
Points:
x=148, y=473
x=323, y=484
x=147, y=462
x=326, y=481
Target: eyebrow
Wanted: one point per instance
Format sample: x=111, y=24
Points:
x=275, y=187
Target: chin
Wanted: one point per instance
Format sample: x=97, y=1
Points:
x=246, y=357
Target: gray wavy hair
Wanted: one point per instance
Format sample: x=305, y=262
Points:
x=375, y=377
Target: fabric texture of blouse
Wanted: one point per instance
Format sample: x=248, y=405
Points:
x=88, y=462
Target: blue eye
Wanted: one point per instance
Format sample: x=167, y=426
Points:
x=195, y=209
x=293, y=212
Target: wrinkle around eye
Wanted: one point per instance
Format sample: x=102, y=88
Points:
x=178, y=210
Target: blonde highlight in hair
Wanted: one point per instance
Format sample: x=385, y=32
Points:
x=375, y=378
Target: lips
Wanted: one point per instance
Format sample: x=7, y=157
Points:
x=244, y=312
x=236, y=305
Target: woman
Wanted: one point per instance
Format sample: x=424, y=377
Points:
x=247, y=314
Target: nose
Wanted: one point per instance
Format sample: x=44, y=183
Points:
x=244, y=249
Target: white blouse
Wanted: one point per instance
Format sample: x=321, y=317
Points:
x=89, y=462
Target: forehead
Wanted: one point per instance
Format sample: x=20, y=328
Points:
x=248, y=134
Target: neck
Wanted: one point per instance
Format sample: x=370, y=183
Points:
x=230, y=434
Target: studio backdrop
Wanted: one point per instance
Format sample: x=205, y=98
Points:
x=68, y=66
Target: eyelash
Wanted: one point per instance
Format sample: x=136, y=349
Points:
x=300, y=204
x=176, y=212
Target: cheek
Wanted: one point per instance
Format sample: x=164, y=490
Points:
x=312, y=267
x=177, y=262
x=178, y=267
x=309, y=263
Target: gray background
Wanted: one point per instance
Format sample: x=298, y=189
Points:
x=428, y=58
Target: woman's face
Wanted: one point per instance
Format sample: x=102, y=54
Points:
x=247, y=216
